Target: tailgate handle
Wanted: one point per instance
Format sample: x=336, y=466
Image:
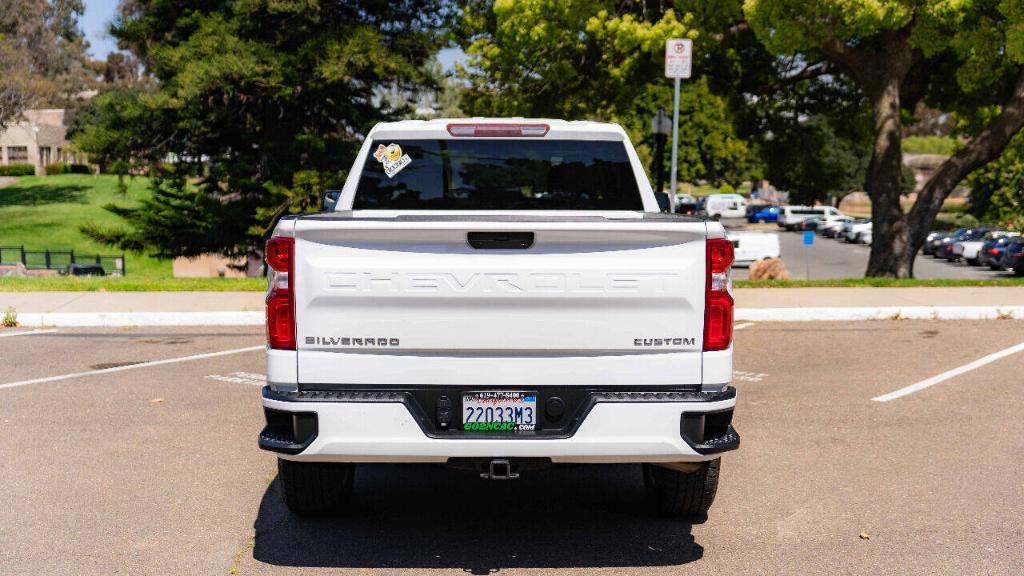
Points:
x=500, y=240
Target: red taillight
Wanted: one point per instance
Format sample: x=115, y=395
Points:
x=994, y=251
x=281, y=294
x=498, y=130
x=719, y=302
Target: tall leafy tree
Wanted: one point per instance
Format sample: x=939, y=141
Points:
x=997, y=190
x=258, y=106
x=958, y=55
x=600, y=60
x=42, y=55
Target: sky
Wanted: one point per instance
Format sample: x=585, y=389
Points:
x=99, y=13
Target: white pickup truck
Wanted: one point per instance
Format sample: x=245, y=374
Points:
x=498, y=295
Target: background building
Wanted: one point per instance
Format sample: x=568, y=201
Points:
x=39, y=139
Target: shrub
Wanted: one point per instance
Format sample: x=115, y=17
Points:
x=79, y=169
x=10, y=318
x=944, y=145
x=18, y=170
x=56, y=168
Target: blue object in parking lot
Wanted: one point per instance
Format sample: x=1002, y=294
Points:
x=809, y=238
x=757, y=214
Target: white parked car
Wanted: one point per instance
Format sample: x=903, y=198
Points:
x=968, y=248
x=829, y=228
x=719, y=206
x=855, y=231
x=454, y=310
x=751, y=246
x=791, y=217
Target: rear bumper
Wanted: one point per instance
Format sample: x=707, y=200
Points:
x=389, y=426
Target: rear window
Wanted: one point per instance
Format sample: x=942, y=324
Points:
x=499, y=174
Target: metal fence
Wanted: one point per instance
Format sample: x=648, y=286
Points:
x=113, y=264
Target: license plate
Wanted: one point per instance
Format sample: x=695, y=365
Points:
x=499, y=411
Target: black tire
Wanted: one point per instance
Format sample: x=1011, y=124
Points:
x=995, y=267
x=315, y=488
x=682, y=494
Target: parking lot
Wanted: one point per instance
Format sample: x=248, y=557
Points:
x=828, y=258
x=133, y=451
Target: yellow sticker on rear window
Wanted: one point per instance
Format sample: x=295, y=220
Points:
x=392, y=158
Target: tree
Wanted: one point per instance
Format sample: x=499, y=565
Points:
x=258, y=106
x=959, y=56
x=827, y=166
x=997, y=190
x=598, y=60
x=42, y=55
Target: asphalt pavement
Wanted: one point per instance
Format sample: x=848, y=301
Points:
x=133, y=451
x=828, y=258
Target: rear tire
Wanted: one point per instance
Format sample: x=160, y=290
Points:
x=682, y=494
x=315, y=488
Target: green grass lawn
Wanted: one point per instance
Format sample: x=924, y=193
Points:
x=45, y=212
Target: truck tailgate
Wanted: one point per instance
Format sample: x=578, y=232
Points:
x=392, y=301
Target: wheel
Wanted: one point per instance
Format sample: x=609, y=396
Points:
x=315, y=488
x=682, y=494
x=716, y=217
x=973, y=262
x=995, y=267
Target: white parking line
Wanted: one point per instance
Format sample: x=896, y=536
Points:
x=131, y=367
x=950, y=374
x=743, y=325
x=26, y=333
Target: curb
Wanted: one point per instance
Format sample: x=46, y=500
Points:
x=120, y=319
x=881, y=313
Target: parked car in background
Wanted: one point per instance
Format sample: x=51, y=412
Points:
x=866, y=236
x=939, y=239
x=1012, y=255
x=970, y=250
x=750, y=246
x=854, y=230
x=687, y=204
x=762, y=213
x=830, y=228
x=931, y=241
x=86, y=269
x=720, y=206
x=811, y=224
x=992, y=250
x=945, y=248
x=791, y=217
x=1018, y=263
x=956, y=248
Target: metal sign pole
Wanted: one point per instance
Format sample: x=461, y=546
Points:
x=675, y=148
x=678, y=64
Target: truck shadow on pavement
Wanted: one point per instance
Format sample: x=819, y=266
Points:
x=415, y=516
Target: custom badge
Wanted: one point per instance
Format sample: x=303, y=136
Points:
x=392, y=158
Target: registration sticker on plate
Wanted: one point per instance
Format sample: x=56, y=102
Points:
x=499, y=411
